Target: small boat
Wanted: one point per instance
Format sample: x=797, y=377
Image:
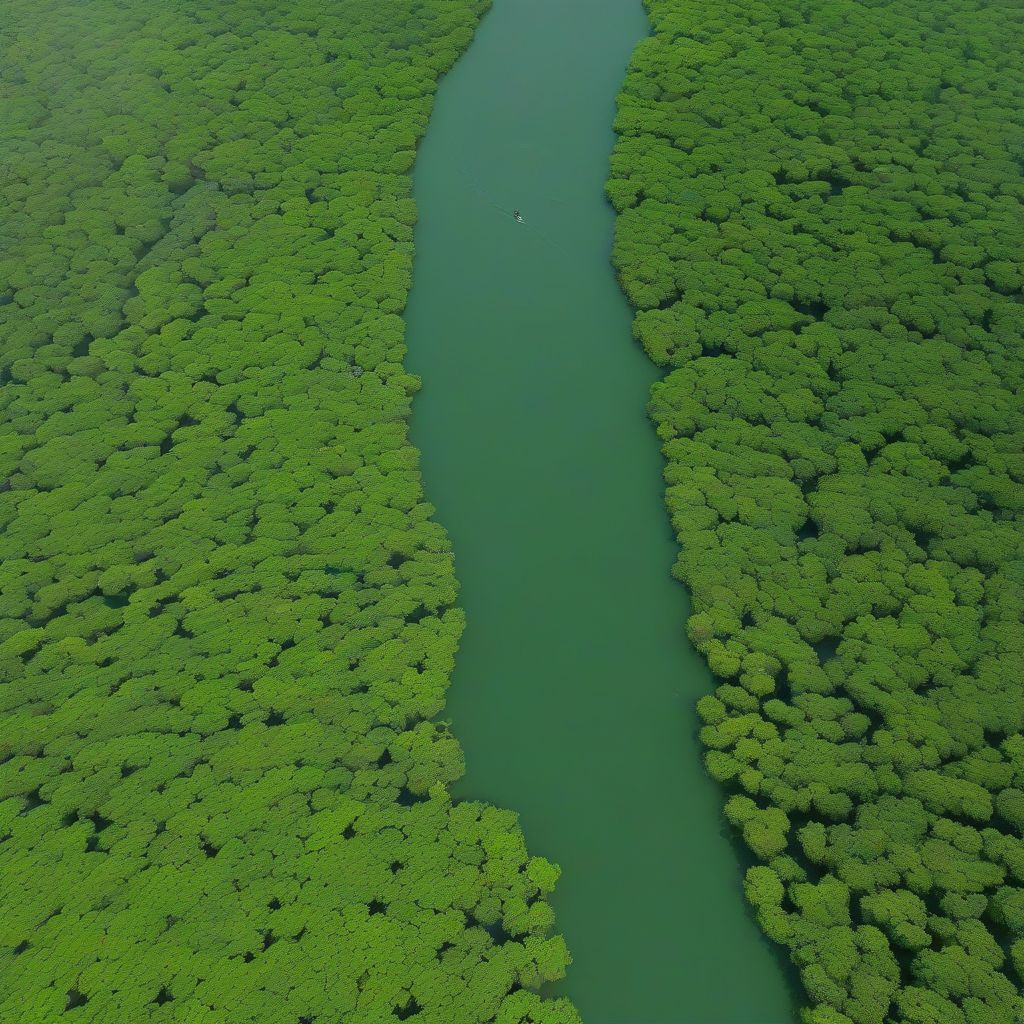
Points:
x=518, y=216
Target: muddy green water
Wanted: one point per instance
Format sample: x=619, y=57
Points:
x=575, y=685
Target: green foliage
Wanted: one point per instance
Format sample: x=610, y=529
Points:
x=227, y=618
x=820, y=224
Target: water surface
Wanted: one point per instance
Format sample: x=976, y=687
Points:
x=575, y=685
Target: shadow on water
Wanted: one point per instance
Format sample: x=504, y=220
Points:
x=575, y=686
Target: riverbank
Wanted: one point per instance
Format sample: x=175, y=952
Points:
x=575, y=685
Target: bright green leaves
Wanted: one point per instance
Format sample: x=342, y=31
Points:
x=765, y=830
x=819, y=209
x=227, y=618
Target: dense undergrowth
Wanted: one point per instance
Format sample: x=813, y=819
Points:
x=821, y=224
x=227, y=619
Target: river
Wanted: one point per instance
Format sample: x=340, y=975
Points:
x=575, y=686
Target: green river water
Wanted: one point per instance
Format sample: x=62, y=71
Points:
x=575, y=686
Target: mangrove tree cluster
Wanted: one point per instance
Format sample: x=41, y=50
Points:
x=226, y=616
x=820, y=224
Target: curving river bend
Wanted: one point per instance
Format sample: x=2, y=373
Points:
x=574, y=691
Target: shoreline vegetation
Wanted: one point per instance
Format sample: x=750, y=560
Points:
x=228, y=618
x=820, y=222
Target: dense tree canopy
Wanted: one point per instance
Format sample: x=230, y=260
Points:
x=820, y=224
x=226, y=616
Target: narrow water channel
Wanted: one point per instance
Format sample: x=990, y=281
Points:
x=575, y=685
